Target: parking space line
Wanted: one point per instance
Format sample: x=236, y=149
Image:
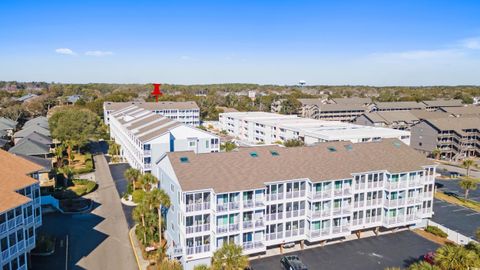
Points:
x=472, y=214
x=462, y=209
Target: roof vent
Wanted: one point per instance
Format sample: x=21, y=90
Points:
x=274, y=153
x=184, y=159
x=253, y=154
x=332, y=149
x=349, y=147
x=397, y=144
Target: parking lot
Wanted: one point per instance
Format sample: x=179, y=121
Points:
x=453, y=186
x=457, y=218
x=398, y=249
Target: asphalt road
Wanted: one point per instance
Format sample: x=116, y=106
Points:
x=457, y=218
x=392, y=250
x=117, y=171
x=97, y=240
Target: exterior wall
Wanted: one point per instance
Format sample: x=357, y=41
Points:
x=424, y=137
x=292, y=211
x=17, y=230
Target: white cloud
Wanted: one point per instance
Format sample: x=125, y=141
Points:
x=65, y=51
x=98, y=53
x=471, y=43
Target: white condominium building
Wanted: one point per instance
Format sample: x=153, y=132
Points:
x=144, y=137
x=262, y=197
x=20, y=210
x=268, y=128
x=186, y=112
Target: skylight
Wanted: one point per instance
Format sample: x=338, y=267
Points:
x=397, y=144
x=332, y=149
x=274, y=153
x=253, y=154
x=184, y=159
x=349, y=147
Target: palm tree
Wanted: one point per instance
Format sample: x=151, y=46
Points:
x=159, y=199
x=59, y=154
x=453, y=257
x=467, y=163
x=132, y=175
x=467, y=184
x=436, y=153
x=148, y=180
x=229, y=257
x=138, y=215
x=423, y=265
x=228, y=146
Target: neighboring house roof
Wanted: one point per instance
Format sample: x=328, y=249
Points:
x=458, y=124
x=29, y=130
x=444, y=103
x=353, y=100
x=7, y=123
x=73, y=98
x=400, y=105
x=45, y=163
x=38, y=137
x=310, y=101
x=30, y=148
x=39, y=121
x=238, y=170
x=13, y=177
x=152, y=106
x=390, y=117
x=464, y=110
x=26, y=97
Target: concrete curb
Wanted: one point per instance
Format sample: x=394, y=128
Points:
x=130, y=232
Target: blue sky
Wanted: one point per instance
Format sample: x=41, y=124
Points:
x=268, y=42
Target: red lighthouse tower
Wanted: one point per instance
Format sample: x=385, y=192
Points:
x=156, y=91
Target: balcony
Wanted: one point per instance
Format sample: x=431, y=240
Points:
x=342, y=192
x=414, y=200
x=274, y=216
x=394, y=202
x=320, y=213
x=259, y=223
x=376, y=201
x=395, y=220
x=252, y=245
x=274, y=236
x=235, y=227
x=197, y=228
x=274, y=197
x=326, y=194
x=234, y=205
x=294, y=232
x=344, y=210
x=395, y=185
x=318, y=233
x=147, y=152
x=247, y=224
x=197, y=207
x=248, y=204
x=198, y=249
x=375, y=185
x=341, y=229
x=415, y=183
x=295, y=213
x=358, y=204
x=295, y=194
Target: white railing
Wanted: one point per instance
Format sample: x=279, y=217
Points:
x=234, y=205
x=340, y=229
x=373, y=219
x=374, y=184
x=252, y=245
x=395, y=185
x=197, y=207
x=247, y=224
x=274, y=216
x=295, y=213
x=197, y=228
x=294, y=232
x=319, y=214
x=228, y=228
x=274, y=197
x=376, y=201
x=198, y=249
x=415, y=199
x=318, y=233
x=259, y=223
x=342, y=192
x=248, y=204
x=394, y=202
x=274, y=236
x=295, y=194
x=342, y=210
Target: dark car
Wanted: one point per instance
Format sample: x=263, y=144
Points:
x=292, y=263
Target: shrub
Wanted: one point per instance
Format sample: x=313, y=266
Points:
x=436, y=231
x=91, y=186
x=138, y=195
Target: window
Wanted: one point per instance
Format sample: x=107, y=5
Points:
x=172, y=187
x=147, y=160
x=191, y=143
x=146, y=147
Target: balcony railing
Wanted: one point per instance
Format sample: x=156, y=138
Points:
x=374, y=184
x=248, y=204
x=228, y=228
x=295, y=213
x=343, y=210
x=415, y=199
x=318, y=233
x=376, y=201
x=247, y=224
x=294, y=232
x=395, y=185
x=415, y=183
x=259, y=223
x=198, y=207
x=197, y=228
x=198, y=249
x=295, y=194
x=234, y=205
x=342, y=192
x=320, y=213
x=325, y=194
x=228, y=206
x=340, y=229
x=274, y=197
x=274, y=236
x=274, y=216
x=252, y=245
x=394, y=202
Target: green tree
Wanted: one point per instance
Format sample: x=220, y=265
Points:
x=133, y=176
x=201, y=267
x=436, y=153
x=423, y=265
x=113, y=150
x=467, y=184
x=453, y=257
x=158, y=199
x=467, y=164
x=75, y=127
x=147, y=181
x=290, y=106
x=228, y=146
x=229, y=257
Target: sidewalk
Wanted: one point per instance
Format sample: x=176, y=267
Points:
x=141, y=262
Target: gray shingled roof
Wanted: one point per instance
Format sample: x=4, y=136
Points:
x=353, y=100
x=464, y=110
x=457, y=124
x=8, y=123
x=30, y=148
x=39, y=121
x=42, y=162
x=234, y=171
x=29, y=130
x=399, y=105
x=38, y=137
x=444, y=103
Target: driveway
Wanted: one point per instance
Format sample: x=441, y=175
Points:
x=391, y=250
x=457, y=218
x=117, y=171
x=96, y=240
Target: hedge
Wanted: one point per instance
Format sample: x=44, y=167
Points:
x=436, y=231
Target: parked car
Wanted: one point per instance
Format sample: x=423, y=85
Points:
x=292, y=263
x=429, y=257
